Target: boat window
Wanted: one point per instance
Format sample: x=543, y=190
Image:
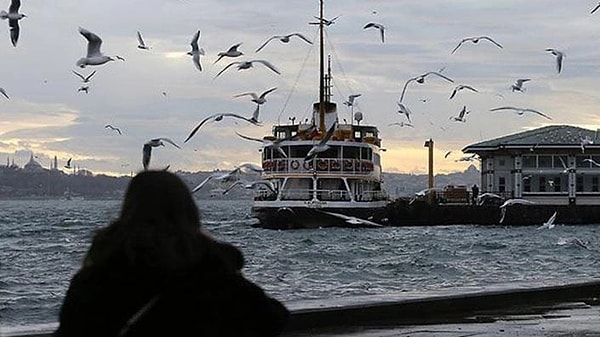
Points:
x=351, y=152
x=366, y=153
x=276, y=154
x=545, y=161
x=281, y=134
x=297, y=189
x=529, y=161
x=267, y=154
x=299, y=151
x=357, y=135
x=332, y=152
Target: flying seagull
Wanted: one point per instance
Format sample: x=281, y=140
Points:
x=421, y=79
x=351, y=220
x=196, y=52
x=447, y=154
x=228, y=176
x=595, y=8
x=324, y=21
x=147, y=149
x=13, y=17
x=94, y=56
x=401, y=124
x=3, y=92
x=141, y=43
x=284, y=39
x=518, y=86
x=250, y=185
x=231, y=52
x=461, y=115
x=378, y=26
x=461, y=87
x=68, y=164
x=84, y=88
x=521, y=111
x=249, y=64
x=108, y=126
x=219, y=117
x=255, y=98
x=475, y=40
x=559, y=57
x=84, y=79
x=550, y=223
x=351, y=98
x=322, y=145
x=592, y=161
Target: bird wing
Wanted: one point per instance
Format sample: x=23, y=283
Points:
x=14, y=31
x=170, y=142
x=146, y=153
x=194, y=42
x=79, y=75
x=253, y=94
x=268, y=65
x=539, y=113
x=458, y=46
x=254, y=118
x=252, y=167
x=3, y=92
x=559, y=60
x=439, y=75
x=88, y=77
x=140, y=40
x=595, y=8
x=196, y=61
x=14, y=6
x=302, y=37
x=369, y=25
x=520, y=81
x=193, y=132
x=382, y=31
x=266, y=183
x=454, y=92
x=266, y=42
x=249, y=138
x=491, y=40
x=327, y=135
x=234, y=47
x=504, y=108
x=199, y=186
x=234, y=184
x=262, y=96
x=226, y=67
x=353, y=219
x=406, y=85
x=94, y=42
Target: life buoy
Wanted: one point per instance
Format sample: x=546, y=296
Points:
x=334, y=164
x=348, y=165
x=294, y=164
x=322, y=165
x=308, y=164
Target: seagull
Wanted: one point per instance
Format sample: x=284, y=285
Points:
x=324, y=21
x=255, y=98
x=510, y=202
x=84, y=79
x=351, y=98
x=249, y=64
x=461, y=87
x=559, y=57
x=141, y=43
x=108, y=126
x=227, y=177
x=219, y=117
x=518, y=86
x=13, y=17
x=475, y=40
x=584, y=142
x=321, y=146
x=403, y=109
x=284, y=39
x=592, y=161
x=94, y=56
x=378, y=26
x=576, y=241
x=68, y=165
x=467, y=158
x=351, y=220
x=231, y=52
x=595, y=8
x=196, y=52
x=521, y=111
x=447, y=154
x=84, y=88
x=268, y=143
x=3, y=92
x=120, y=58
x=421, y=79
x=461, y=115
x=251, y=185
x=550, y=223
x=401, y=124
x=147, y=149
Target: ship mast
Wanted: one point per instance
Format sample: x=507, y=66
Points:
x=321, y=73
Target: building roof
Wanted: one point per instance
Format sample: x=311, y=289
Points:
x=547, y=136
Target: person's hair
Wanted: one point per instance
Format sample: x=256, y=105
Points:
x=158, y=227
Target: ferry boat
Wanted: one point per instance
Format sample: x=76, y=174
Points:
x=341, y=186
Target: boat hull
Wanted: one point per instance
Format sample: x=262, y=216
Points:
x=306, y=217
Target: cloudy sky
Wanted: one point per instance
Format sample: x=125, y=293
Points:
x=159, y=93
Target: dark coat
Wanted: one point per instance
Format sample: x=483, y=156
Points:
x=204, y=300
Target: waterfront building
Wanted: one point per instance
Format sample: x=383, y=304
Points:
x=555, y=165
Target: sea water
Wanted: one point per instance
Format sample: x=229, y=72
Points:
x=42, y=244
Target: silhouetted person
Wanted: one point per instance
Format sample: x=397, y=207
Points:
x=474, y=194
x=153, y=272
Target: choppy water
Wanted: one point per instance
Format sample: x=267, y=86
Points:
x=43, y=242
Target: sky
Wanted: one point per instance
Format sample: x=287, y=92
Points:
x=159, y=93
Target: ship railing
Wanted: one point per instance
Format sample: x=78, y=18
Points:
x=325, y=165
x=297, y=194
x=371, y=196
x=333, y=195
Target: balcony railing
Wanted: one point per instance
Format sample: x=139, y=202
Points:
x=323, y=195
x=332, y=165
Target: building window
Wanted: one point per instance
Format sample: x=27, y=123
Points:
x=501, y=184
x=544, y=161
x=579, y=184
x=560, y=162
x=594, y=184
x=501, y=162
x=580, y=163
x=556, y=183
x=527, y=184
x=542, y=184
x=529, y=161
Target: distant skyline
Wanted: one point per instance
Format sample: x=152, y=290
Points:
x=160, y=93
